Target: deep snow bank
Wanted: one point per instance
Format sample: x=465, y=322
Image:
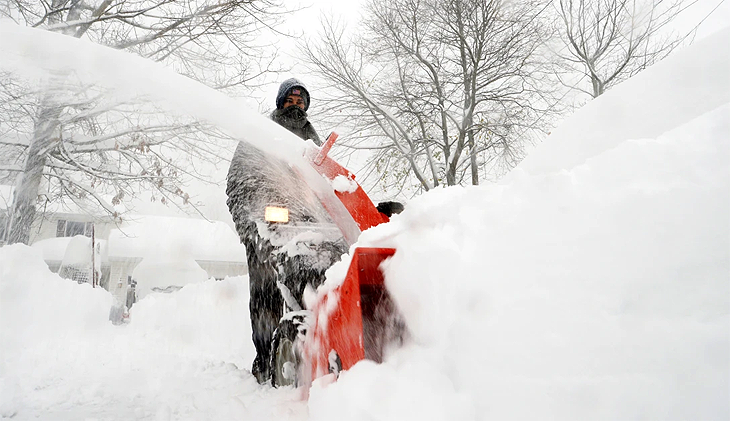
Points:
x=66, y=305
x=63, y=359
x=596, y=288
x=671, y=93
x=39, y=314
x=599, y=293
x=202, y=321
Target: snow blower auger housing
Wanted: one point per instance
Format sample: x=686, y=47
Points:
x=363, y=322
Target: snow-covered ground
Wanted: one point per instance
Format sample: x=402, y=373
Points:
x=592, y=283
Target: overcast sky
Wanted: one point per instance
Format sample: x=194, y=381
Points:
x=305, y=23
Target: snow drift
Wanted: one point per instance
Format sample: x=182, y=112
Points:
x=63, y=359
x=598, y=288
x=589, y=297
x=690, y=83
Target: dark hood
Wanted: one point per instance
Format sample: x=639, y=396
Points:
x=286, y=87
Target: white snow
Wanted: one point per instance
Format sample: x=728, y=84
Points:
x=343, y=184
x=602, y=292
x=592, y=283
x=169, y=248
x=151, y=274
x=78, y=251
x=650, y=106
x=155, y=236
x=53, y=248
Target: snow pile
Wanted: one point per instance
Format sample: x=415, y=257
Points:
x=78, y=251
x=208, y=320
x=58, y=248
x=159, y=275
x=648, y=105
x=69, y=306
x=41, y=318
x=179, y=357
x=600, y=291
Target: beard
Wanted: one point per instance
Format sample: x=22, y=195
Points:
x=294, y=113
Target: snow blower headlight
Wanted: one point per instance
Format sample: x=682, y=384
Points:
x=276, y=214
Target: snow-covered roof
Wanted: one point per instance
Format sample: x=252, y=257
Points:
x=54, y=249
x=162, y=238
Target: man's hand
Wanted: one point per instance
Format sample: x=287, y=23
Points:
x=389, y=208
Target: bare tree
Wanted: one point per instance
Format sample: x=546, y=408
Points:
x=608, y=41
x=101, y=151
x=437, y=89
x=83, y=145
x=216, y=42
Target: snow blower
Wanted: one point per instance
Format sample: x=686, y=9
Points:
x=292, y=237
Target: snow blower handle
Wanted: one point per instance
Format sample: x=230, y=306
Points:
x=325, y=148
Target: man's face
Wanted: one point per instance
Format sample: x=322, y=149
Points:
x=294, y=100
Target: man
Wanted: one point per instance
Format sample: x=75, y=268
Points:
x=292, y=103
x=254, y=181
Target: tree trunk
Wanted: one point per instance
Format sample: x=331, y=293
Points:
x=598, y=86
x=473, y=158
x=26, y=191
x=451, y=173
x=23, y=211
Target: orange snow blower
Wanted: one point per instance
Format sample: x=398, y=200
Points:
x=358, y=319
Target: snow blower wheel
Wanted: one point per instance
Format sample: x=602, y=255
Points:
x=285, y=358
